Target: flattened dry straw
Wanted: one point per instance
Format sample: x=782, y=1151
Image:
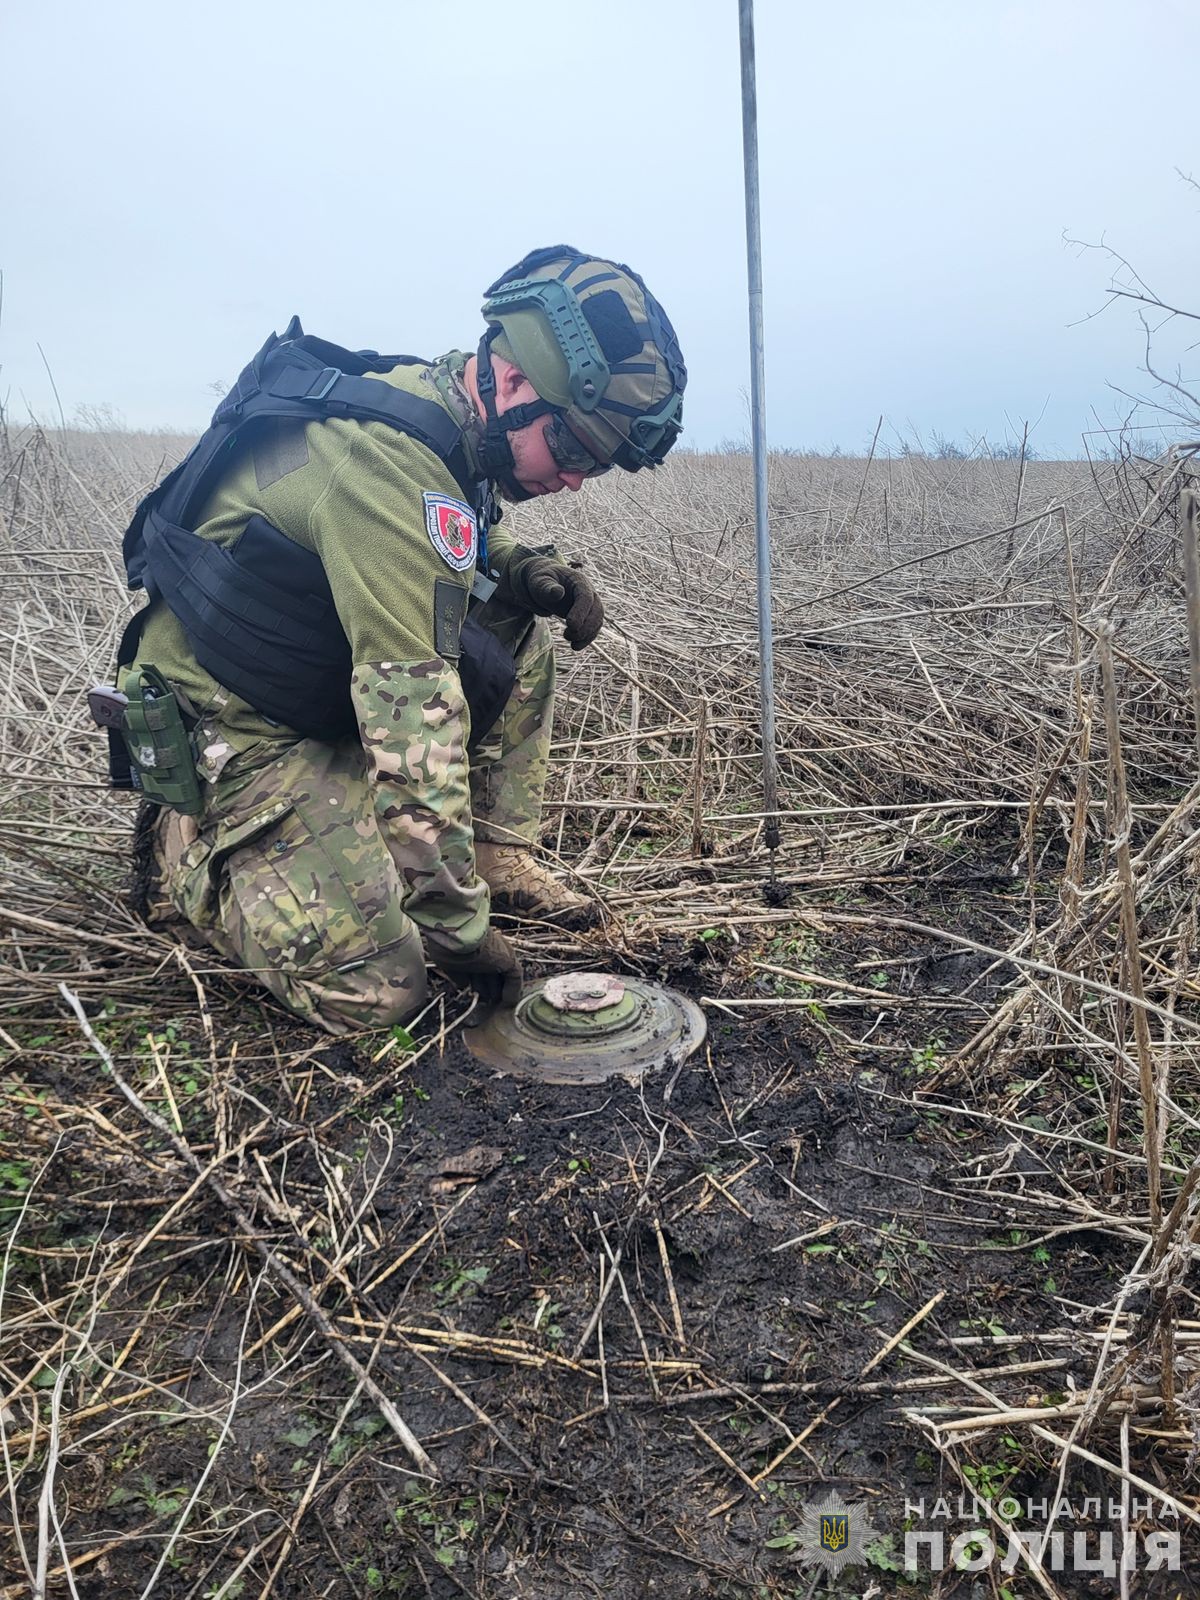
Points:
x=955, y=680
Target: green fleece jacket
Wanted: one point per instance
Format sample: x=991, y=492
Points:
x=370, y=502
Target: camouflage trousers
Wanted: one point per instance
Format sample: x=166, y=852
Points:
x=291, y=878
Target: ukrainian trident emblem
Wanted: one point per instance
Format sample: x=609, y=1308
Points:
x=835, y=1530
x=834, y=1533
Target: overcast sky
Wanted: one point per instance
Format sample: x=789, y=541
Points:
x=180, y=178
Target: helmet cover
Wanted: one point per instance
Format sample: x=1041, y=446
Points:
x=597, y=346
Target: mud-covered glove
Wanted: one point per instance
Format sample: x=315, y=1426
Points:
x=551, y=588
x=493, y=971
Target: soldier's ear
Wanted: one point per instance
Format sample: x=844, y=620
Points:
x=511, y=382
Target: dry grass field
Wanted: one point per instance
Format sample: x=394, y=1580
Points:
x=920, y=1223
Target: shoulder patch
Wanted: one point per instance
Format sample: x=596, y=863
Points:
x=452, y=530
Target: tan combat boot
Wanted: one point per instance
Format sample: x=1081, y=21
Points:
x=521, y=886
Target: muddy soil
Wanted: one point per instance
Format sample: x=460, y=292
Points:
x=814, y=1182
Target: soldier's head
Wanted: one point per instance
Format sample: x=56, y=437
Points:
x=579, y=371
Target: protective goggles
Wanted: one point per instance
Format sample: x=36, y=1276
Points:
x=569, y=452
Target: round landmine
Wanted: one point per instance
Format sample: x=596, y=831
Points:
x=587, y=1027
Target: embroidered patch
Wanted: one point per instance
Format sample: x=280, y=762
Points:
x=452, y=530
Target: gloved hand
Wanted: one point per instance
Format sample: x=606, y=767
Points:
x=493, y=971
x=551, y=588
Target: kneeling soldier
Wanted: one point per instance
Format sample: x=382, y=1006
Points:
x=338, y=702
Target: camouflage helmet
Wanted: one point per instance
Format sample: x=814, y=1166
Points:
x=597, y=347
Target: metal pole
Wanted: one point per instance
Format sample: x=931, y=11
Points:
x=1189, y=515
x=758, y=430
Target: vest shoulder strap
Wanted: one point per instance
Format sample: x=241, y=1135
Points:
x=301, y=378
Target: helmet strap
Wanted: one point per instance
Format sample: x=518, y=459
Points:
x=495, y=448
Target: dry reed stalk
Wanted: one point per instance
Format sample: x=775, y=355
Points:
x=1123, y=825
x=698, y=763
x=895, y=755
x=897, y=1338
x=395, y=1421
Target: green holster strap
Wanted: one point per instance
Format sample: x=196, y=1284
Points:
x=159, y=745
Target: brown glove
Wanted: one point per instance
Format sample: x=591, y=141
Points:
x=551, y=588
x=493, y=971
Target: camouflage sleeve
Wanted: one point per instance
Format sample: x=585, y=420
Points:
x=413, y=727
x=389, y=576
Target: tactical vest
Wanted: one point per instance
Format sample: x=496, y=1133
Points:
x=259, y=614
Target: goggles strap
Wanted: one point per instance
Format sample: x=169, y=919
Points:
x=495, y=450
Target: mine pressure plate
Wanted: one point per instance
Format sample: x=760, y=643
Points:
x=585, y=1027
